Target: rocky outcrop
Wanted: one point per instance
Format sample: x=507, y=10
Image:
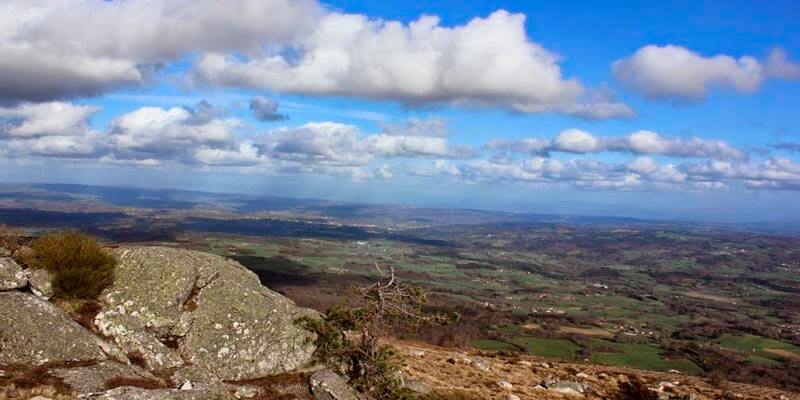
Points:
x=11, y=275
x=180, y=321
x=211, y=311
x=34, y=332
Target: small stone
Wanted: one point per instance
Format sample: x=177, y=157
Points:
x=505, y=385
x=40, y=281
x=417, y=352
x=581, y=375
x=525, y=363
x=512, y=397
x=246, y=392
x=544, y=365
x=482, y=365
x=602, y=376
x=674, y=371
x=187, y=385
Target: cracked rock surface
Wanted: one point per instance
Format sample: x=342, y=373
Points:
x=211, y=311
x=34, y=332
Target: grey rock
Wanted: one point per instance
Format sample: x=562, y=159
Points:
x=568, y=387
x=505, y=385
x=224, y=319
x=200, y=377
x=416, y=386
x=134, y=393
x=127, y=333
x=11, y=275
x=327, y=385
x=482, y=364
x=246, y=392
x=33, y=331
x=93, y=378
x=40, y=282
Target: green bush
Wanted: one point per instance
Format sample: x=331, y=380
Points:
x=81, y=268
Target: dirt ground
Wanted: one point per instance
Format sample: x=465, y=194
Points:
x=484, y=375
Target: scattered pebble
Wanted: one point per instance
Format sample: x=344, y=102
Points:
x=505, y=385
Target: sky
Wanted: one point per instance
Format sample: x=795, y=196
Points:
x=669, y=110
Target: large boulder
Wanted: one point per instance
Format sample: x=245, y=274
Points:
x=11, y=275
x=35, y=332
x=210, y=311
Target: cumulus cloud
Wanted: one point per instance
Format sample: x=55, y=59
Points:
x=485, y=62
x=264, y=109
x=165, y=133
x=576, y=141
x=45, y=119
x=51, y=50
x=648, y=142
x=342, y=144
x=675, y=72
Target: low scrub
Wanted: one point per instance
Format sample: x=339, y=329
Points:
x=81, y=268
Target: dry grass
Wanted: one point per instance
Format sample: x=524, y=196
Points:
x=446, y=372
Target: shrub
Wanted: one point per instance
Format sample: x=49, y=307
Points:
x=350, y=338
x=10, y=239
x=81, y=268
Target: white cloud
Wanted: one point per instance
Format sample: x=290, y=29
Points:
x=31, y=120
x=56, y=49
x=642, y=165
x=576, y=141
x=150, y=131
x=648, y=142
x=675, y=72
x=486, y=62
x=639, y=142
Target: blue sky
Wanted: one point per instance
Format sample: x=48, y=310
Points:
x=663, y=110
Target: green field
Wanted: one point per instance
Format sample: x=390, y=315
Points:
x=637, y=355
x=555, y=348
x=759, y=349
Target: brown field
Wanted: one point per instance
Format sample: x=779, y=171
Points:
x=783, y=353
x=597, y=332
x=712, y=296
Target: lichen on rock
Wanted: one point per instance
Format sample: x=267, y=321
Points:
x=11, y=275
x=34, y=332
